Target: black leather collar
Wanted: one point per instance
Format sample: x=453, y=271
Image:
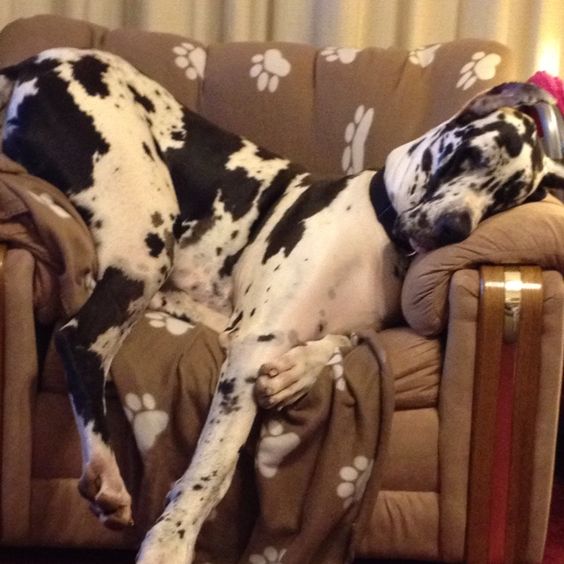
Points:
x=385, y=211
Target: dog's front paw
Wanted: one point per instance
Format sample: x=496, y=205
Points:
x=101, y=484
x=166, y=543
x=287, y=379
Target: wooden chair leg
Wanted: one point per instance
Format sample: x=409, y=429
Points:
x=503, y=414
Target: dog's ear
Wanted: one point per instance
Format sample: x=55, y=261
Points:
x=508, y=94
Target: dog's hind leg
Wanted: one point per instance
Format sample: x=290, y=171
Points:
x=87, y=344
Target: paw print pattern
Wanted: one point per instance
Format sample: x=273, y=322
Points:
x=47, y=200
x=270, y=555
x=482, y=66
x=268, y=68
x=192, y=58
x=345, y=55
x=355, y=479
x=423, y=56
x=356, y=134
x=172, y=324
x=147, y=421
x=274, y=446
x=336, y=364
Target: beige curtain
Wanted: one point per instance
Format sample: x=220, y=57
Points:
x=532, y=28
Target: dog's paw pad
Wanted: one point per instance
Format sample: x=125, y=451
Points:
x=423, y=56
x=147, y=421
x=270, y=555
x=482, y=66
x=275, y=444
x=268, y=68
x=355, y=479
x=172, y=324
x=345, y=55
x=356, y=134
x=192, y=58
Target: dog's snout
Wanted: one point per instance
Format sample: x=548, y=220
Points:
x=453, y=227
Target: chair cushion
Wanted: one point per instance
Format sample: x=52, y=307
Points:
x=414, y=361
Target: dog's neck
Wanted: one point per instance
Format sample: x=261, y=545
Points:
x=384, y=209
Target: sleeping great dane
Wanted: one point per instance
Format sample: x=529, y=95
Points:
x=204, y=224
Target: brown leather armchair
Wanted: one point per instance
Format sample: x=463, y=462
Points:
x=476, y=361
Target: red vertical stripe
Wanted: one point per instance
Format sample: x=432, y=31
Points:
x=501, y=468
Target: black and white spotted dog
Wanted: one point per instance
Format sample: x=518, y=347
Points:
x=205, y=224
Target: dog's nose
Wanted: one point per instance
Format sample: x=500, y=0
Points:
x=452, y=228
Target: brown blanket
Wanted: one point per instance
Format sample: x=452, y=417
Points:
x=300, y=492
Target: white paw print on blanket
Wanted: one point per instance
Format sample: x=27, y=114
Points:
x=355, y=479
x=271, y=555
x=47, y=200
x=336, y=364
x=423, y=56
x=356, y=134
x=192, y=58
x=268, y=68
x=147, y=421
x=172, y=324
x=274, y=446
x=482, y=66
x=345, y=55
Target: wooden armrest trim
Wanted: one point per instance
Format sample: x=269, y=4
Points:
x=504, y=408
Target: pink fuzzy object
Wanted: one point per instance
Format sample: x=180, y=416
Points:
x=551, y=84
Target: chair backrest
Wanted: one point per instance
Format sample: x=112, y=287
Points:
x=331, y=109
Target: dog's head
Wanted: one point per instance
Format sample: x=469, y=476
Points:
x=485, y=159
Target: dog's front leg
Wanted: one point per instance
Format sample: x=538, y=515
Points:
x=289, y=377
x=197, y=492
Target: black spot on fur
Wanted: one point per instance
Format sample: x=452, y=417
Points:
x=226, y=387
x=157, y=219
x=155, y=244
x=265, y=338
x=427, y=161
x=414, y=146
x=85, y=213
x=509, y=191
x=141, y=100
x=89, y=71
x=229, y=263
x=148, y=151
x=288, y=232
x=235, y=322
x=197, y=487
x=45, y=150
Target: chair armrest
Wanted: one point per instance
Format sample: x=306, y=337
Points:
x=514, y=414
x=530, y=234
